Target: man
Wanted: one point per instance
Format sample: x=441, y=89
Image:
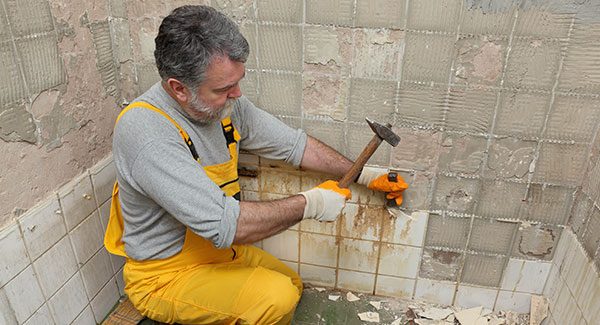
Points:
x=176, y=213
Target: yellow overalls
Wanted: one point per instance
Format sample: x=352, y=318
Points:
x=203, y=284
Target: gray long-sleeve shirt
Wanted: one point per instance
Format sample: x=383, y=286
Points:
x=163, y=190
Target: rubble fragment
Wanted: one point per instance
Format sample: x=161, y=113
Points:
x=370, y=316
x=334, y=298
x=351, y=297
x=376, y=304
x=539, y=309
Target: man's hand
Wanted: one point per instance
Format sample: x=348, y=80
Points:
x=325, y=202
x=377, y=179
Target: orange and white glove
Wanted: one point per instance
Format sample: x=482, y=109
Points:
x=377, y=179
x=325, y=202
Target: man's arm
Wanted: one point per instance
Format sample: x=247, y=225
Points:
x=259, y=220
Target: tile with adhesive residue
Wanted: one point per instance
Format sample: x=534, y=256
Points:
x=362, y=222
x=380, y=13
x=533, y=64
x=238, y=10
x=12, y=85
x=42, y=227
x=279, y=182
x=542, y=22
x=470, y=109
x=325, y=95
x=480, y=61
x=317, y=275
x=372, y=98
x=581, y=72
x=573, y=118
x=399, y=260
x=280, y=47
x=394, y=287
x=446, y=231
x=592, y=177
x=510, y=158
x=521, y=113
x=328, y=49
x=43, y=65
x=462, y=154
x=483, y=270
x=427, y=57
x=283, y=245
x=525, y=276
x=279, y=11
x=477, y=21
x=318, y=249
x=331, y=133
x=500, y=199
x=547, y=204
x=440, y=265
x=536, y=241
x=29, y=17
x=280, y=94
x=359, y=255
x=421, y=105
x=561, y=164
x=591, y=237
x=405, y=229
x=356, y=281
x=455, y=194
x=500, y=243
x=249, y=86
x=364, y=196
x=327, y=12
x=417, y=198
x=376, y=53
x=434, y=15
x=417, y=150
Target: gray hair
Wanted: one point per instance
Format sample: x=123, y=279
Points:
x=188, y=39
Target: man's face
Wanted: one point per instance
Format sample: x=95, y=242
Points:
x=215, y=98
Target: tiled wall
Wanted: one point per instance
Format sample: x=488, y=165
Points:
x=53, y=267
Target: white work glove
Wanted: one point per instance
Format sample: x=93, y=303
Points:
x=377, y=179
x=325, y=202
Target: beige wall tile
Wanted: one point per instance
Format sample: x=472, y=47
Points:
x=356, y=281
x=359, y=255
x=394, y=287
x=317, y=275
x=283, y=245
x=399, y=260
x=318, y=249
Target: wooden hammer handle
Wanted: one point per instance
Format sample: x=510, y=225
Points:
x=360, y=162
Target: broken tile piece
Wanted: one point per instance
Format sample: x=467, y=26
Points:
x=370, y=316
x=397, y=322
x=469, y=316
x=376, y=304
x=320, y=289
x=539, y=309
x=436, y=313
x=351, y=297
x=334, y=298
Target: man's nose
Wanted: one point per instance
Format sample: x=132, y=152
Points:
x=235, y=92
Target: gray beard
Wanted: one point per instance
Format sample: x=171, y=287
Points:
x=207, y=114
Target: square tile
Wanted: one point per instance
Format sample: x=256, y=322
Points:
x=462, y=154
x=317, y=275
x=42, y=227
x=591, y=237
x=356, y=281
x=314, y=226
x=359, y=255
x=428, y=57
x=14, y=257
x=280, y=47
x=13, y=82
x=533, y=64
x=421, y=104
x=77, y=200
x=469, y=297
x=283, y=245
x=24, y=294
x=7, y=315
x=579, y=72
x=405, y=229
x=376, y=53
x=56, y=266
x=40, y=317
x=582, y=209
x=69, y=301
x=103, y=176
x=417, y=150
x=362, y=222
x=96, y=272
x=279, y=182
x=333, y=12
x=573, y=118
x=480, y=61
x=104, y=214
x=37, y=11
x=470, y=109
x=394, y=287
x=563, y=248
x=85, y=317
x=328, y=49
x=446, y=231
x=105, y=300
x=331, y=133
x=455, y=194
x=536, y=241
x=399, y=260
x=280, y=11
x=380, y=13
x=318, y=249
x=522, y=113
x=513, y=301
x=434, y=15
x=325, y=96
x=435, y=291
x=525, y=276
x=87, y=238
x=500, y=199
x=417, y=198
x=542, y=23
x=42, y=62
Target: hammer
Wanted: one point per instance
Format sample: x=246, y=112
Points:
x=382, y=132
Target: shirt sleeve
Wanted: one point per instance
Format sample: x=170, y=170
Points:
x=268, y=137
x=165, y=171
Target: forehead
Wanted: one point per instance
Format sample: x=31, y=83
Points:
x=222, y=71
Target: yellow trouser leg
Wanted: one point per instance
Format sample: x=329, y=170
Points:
x=256, y=288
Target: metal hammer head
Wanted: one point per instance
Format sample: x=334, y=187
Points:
x=384, y=132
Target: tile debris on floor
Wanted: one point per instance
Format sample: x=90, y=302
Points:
x=333, y=306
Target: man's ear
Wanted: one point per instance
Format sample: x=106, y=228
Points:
x=178, y=90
